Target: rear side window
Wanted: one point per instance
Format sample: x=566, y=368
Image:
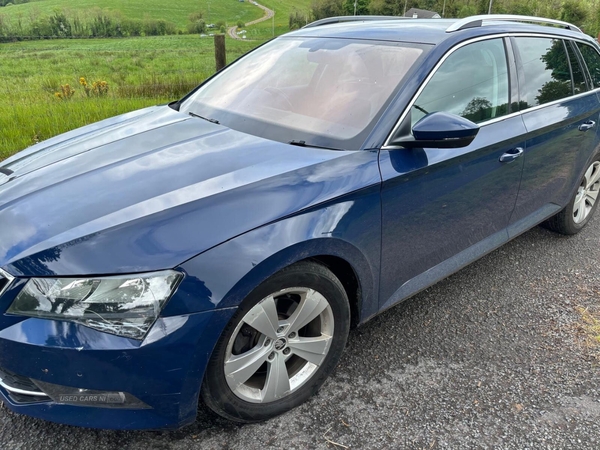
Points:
x=546, y=74
x=592, y=61
x=472, y=82
x=579, y=83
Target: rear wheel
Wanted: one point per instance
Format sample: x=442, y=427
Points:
x=582, y=206
x=280, y=346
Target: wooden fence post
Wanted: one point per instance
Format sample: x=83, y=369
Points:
x=220, y=55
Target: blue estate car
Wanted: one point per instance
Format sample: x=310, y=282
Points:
x=221, y=247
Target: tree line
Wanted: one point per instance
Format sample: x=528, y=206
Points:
x=585, y=14
x=95, y=23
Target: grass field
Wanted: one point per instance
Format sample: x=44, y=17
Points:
x=176, y=11
x=139, y=72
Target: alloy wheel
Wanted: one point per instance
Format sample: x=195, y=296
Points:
x=587, y=193
x=279, y=345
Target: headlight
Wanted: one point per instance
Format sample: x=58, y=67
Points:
x=123, y=305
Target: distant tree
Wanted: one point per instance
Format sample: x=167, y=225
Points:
x=386, y=7
x=553, y=90
x=60, y=25
x=560, y=85
x=573, y=11
x=556, y=61
x=398, y=7
x=362, y=7
x=196, y=27
x=327, y=8
x=477, y=109
x=298, y=19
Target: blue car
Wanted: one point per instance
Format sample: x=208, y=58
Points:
x=220, y=248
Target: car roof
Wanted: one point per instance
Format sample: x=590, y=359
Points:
x=424, y=31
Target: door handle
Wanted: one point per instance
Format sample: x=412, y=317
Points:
x=587, y=126
x=512, y=154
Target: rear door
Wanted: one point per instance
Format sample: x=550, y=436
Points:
x=560, y=113
x=443, y=208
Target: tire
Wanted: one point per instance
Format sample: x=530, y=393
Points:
x=582, y=206
x=303, y=314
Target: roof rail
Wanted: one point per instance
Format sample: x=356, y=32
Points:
x=477, y=21
x=341, y=19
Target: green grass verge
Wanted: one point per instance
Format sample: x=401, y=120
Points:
x=590, y=323
x=139, y=71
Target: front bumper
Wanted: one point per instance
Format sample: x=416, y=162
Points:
x=164, y=372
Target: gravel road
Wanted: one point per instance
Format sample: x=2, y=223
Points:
x=489, y=358
x=232, y=31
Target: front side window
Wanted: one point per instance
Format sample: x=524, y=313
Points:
x=546, y=74
x=326, y=92
x=592, y=61
x=472, y=82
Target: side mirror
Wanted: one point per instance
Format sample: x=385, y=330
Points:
x=439, y=130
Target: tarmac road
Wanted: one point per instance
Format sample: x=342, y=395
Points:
x=490, y=358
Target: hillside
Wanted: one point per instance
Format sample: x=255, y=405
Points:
x=176, y=11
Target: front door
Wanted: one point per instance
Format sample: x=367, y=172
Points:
x=443, y=208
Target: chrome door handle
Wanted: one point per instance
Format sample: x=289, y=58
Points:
x=587, y=126
x=511, y=155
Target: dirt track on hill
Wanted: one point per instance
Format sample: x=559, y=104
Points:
x=269, y=13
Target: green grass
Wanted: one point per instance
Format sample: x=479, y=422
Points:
x=140, y=72
x=177, y=12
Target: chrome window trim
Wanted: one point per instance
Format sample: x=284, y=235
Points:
x=387, y=146
x=9, y=278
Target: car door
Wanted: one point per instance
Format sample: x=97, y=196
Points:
x=443, y=208
x=560, y=113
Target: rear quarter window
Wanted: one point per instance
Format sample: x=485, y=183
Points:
x=592, y=61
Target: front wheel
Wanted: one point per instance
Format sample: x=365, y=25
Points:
x=280, y=346
x=582, y=206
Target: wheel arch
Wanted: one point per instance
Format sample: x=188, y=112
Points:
x=227, y=276
x=344, y=272
x=329, y=252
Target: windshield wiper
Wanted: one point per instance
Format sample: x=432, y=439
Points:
x=208, y=119
x=304, y=144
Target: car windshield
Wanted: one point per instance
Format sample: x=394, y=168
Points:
x=320, y=91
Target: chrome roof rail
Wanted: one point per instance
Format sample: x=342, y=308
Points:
x=341, y=19
x=477, y=21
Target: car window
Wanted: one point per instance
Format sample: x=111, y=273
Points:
x=472, y=82
x=322, y=91
x=546, y=75
x=592, y=61
x=579, y=82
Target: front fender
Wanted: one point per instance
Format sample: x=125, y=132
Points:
x=349, y=228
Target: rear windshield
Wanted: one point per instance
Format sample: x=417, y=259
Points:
x=323, y=91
